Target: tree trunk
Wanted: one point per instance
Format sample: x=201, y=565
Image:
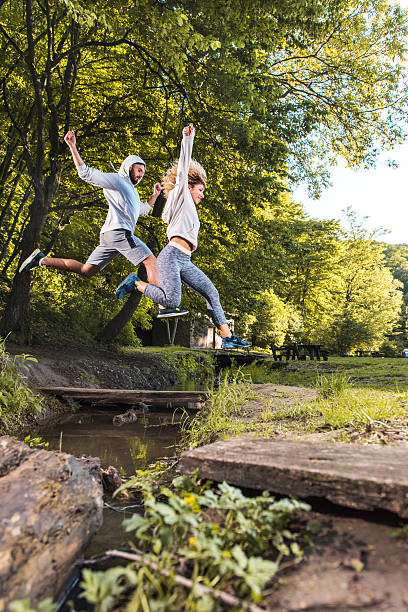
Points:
x=16, y=316
x=115, y=325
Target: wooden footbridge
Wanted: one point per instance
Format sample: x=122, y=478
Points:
x=124, y=396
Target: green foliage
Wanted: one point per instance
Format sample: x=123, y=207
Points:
x=191, y=365
x=23, y=605
x=35, y=442
x=18, y=403
x=269, y=323
x=270, y=86
x=400, y=534
x=218, y=537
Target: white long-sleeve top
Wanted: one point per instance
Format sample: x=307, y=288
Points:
x=180, y=212
x=124, y=202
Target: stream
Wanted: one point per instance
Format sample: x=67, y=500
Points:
x=128, y=448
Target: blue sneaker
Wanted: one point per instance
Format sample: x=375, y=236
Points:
x=32, y=261
x=127, y=285
x=233, y=342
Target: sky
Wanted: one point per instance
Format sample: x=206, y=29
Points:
x=380, y=193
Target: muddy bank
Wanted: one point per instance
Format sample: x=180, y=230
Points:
x=94, y=367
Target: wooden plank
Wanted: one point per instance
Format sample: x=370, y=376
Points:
x=124, y=396
x=362, y=477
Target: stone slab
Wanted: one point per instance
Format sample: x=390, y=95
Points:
x=355, y=476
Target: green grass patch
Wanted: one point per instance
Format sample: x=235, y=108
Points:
x=343, y=402
x=220, y=415
x=351, y=407
x=370, y=372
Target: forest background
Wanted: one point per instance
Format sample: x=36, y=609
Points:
x=277, y=92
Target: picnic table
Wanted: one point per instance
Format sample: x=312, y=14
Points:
x=299, y=351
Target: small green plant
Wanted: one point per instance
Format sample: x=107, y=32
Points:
x=400, y=534
x=24, y=605
x=332, y=385
x=35, y=442
x=218, y=414
x=17, y=401
x=217, y=538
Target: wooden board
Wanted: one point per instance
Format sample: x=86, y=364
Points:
x=363, y=477
x=124, y=396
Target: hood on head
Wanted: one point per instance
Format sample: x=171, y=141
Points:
x=127, y=163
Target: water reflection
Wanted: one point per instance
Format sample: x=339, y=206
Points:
x=128, y=448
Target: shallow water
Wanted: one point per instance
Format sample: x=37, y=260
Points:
x=128, y=448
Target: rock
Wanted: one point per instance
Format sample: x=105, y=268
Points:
x=130, y=416
x=363, y=477
x=51, y=506
x=111, y=479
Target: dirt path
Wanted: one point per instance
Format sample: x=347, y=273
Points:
x=353, y=565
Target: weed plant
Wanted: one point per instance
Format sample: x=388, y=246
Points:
x=219, y=416
x=217, y=538
x=18, y=403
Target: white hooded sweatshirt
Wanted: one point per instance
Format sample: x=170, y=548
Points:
x=180, y=212
x=123, y=199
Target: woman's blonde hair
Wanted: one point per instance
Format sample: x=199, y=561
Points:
x=196, y=174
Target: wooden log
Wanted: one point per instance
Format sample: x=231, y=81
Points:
x=124, y=396
x=51, y=505
x=362, y=477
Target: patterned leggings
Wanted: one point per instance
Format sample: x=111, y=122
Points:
x=176, y=267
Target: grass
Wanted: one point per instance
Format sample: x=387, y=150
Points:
x=374, y=373
x=18, y=403
x=360, y=397
x=221, y=414
x=350, y=407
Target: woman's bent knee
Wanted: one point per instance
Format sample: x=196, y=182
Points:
x=171, y=303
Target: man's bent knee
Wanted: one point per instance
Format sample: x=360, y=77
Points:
x=89, y=270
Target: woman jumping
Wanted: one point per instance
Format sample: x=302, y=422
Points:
x=183, y=185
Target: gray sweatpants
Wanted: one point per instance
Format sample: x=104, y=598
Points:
x=175, y=267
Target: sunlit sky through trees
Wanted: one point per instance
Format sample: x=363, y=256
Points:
x=380, y=193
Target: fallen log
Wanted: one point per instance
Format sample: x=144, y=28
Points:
x=51, y=505
x=123, y=396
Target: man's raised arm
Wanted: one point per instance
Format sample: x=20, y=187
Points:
x=71, y=142
x=86, y=173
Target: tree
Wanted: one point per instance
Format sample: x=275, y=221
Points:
x=266, y=84
x=369, y=298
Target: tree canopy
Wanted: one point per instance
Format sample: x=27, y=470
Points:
x=276, y=89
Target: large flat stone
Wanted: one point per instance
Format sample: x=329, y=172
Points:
x=362, y=477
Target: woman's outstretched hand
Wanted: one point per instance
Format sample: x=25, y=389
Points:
x=189, y=129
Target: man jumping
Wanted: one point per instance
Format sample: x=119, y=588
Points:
x=116, y=234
